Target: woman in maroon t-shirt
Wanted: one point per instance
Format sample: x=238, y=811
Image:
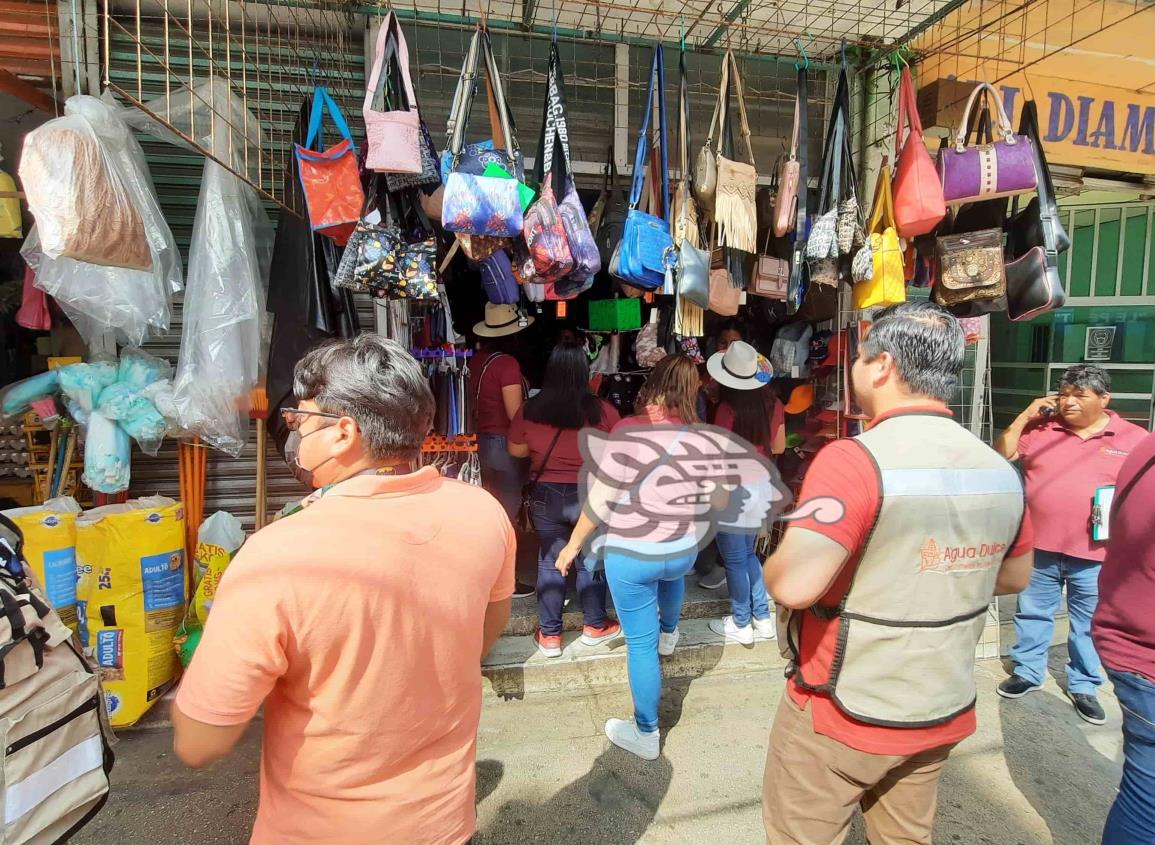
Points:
x=546, y=430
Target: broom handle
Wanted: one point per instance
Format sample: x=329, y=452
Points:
x=262, y=501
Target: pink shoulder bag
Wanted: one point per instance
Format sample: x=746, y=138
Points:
x=394, y=137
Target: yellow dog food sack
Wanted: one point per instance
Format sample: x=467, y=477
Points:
x=132, y=596
x=50, y=548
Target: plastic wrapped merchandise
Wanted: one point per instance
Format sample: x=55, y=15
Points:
x=136, y=415
x=139, y=369
x=18, y=397
x=107, y=455
x=83, y=383
x=133, y=303
x=77, y=412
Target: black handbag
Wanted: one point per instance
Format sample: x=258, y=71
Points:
x=799, y=271
x=1042, y=212
x=613, y=215
x=1033, y=283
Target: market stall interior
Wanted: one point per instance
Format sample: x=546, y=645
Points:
x=226, y=184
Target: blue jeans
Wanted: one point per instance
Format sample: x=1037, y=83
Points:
x=748, y=594
x=1132, y=817
x=556, y=508
x=648, y=596
x=1035, y=620
x=502, y=475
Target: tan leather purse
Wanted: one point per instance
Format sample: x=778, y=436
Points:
x=735, y=205
x=770, y=276
x=786, y=200
x=725, y=299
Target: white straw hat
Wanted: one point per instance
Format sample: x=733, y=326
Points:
x=740, y=367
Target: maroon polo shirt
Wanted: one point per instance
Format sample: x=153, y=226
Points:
x=565, y=461
x=1124, y=626
x=1063, y=471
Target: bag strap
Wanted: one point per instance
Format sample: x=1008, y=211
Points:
x=658, y=82
x=1029, y=127
x=830, y=180
x=719, y=106
x=1004, y=121
x=390, y=31
x=544, y=462
x=907, y=113
x=684, y=119
x=323, y=101
x=554, y=127
x=736, y=78
x=458, y=120
x=882, y=215
x=498, y=107
x=801, y=104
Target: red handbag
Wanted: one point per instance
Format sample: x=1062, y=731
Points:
x=919, y=205
x=329, y=178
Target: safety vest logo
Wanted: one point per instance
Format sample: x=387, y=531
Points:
x=936, y=558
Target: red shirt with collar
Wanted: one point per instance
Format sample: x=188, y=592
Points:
x=1063, y=471
x=846, y=471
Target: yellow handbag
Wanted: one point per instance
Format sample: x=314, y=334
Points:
x=887, y=286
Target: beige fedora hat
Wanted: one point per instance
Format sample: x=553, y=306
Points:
x=501, y=320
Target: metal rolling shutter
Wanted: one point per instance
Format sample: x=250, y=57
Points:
x=231, y=482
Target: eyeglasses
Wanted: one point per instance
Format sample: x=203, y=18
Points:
x=293, y=417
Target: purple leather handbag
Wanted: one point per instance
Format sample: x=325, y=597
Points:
x=986, y=171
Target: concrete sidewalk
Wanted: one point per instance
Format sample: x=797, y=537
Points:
x=1033, y=774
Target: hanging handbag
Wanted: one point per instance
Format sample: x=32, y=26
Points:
x=970, y=268
x=822, y=242
x=430, y=176
x=329, y=178
x=370, y=252
x=497, y=279
x=771, y=275
x=615, y=209
x=725, y=299
x=647, y=248
x=735, y=206
x=1034, y=286
x=1042, y=212
x=394, y=137
x=919, y=204
x=482, y=205
x=693, y=273
x=887, y=282
x=583, y=247
x=786, y=199
x=986, y=171
x=799, y=272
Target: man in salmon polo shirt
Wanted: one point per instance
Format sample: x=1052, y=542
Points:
x=917, y=524
x=1070, y=446
x=359, y=622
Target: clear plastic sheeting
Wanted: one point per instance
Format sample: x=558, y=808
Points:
x=134, y=304
x=229, y=257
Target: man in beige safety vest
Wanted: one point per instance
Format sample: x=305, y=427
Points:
x=889, y=592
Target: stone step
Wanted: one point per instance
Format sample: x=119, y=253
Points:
x=515, y=667
x=699, y=604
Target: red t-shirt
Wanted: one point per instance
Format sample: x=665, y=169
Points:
x=652, y=415
x=565, y=461
x=488, y=403
x=724, y=418
x=846, y=471
x=1063, y=471
x=1124, y=625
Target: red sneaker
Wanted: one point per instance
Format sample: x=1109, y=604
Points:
x=549, y=645
x=603, y=634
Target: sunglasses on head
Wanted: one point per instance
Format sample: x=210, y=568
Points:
x=293, y=417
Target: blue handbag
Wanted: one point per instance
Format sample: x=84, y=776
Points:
x=477, y=204
x=647, y=250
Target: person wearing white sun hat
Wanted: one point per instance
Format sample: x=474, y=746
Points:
x=749, y=408
x=497, y=390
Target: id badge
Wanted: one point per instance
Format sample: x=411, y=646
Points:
x=1101, y=513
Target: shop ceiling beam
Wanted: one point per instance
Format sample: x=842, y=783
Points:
x=29, y=93
x=728, y=19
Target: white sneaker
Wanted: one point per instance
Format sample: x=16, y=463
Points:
x=625, y=734
x=668, y=642
x=729, y=630
x=765, y=629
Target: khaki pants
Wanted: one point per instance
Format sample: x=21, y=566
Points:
x=813, y=783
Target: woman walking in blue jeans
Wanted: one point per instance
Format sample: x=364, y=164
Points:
x=647, y=592
x=748, y=407
x=545, y=429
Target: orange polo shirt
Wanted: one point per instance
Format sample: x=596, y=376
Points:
x=358, y=622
